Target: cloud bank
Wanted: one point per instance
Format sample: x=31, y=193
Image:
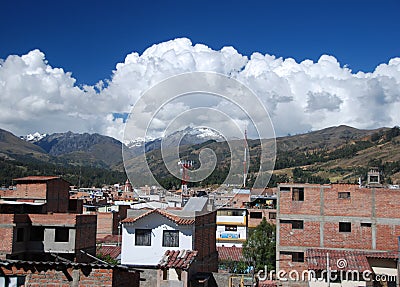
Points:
x=299, y=96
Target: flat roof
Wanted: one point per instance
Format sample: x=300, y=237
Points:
x=36, y=178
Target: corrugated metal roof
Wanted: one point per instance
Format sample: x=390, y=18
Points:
x=178, y=259
x=196, y=204
x=23, y=263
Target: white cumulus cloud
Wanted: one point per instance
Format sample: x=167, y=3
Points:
x=299, y=96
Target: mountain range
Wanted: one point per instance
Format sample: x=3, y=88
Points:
x=333, y=154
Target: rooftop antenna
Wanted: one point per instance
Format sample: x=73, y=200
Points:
x=185, y=165
x=245, y=159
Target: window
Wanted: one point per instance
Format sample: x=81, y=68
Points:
x=256, y=214
x=170, y=238
x=20, y=234
x=374, y=179
x=62, y=235
x=143, y=237
x=296, y=224
x=230, y=227
x=272, y=215
x=224, y=212
x=296, y=256
x=37, y=233
x=344, y=194
x=284, y=188
x=344, y=227
x=366, y=224
x=298, y=194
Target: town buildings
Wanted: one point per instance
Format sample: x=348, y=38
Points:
x=319, y=225
x=46, y=241
x=177, y=243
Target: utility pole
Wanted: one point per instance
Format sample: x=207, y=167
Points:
x=398, y=262
x=328, y=273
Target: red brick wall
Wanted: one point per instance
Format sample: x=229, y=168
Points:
x=386, y=236
x=253, y=222
x=387, y=203
x=309, y=236
x=42, y=276
x=86, y=226
x=310, y=205
x=205, y=242
x=364, y=205
x=358, y=238
x=359, y=203
x=31, y=190
x=6, y=234
x=57, y=195
x=107, y=223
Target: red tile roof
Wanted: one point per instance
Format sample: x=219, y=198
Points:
x=36, y=178
x=230, y=253
x=172, y=217
x=178, y=259
x=113, y=251
x=342, y=259
x=109, y=239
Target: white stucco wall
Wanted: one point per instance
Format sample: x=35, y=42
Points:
x=231, y=238
x=151, y=255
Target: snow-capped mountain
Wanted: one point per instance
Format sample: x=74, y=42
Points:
x=34, y=137
x=138, y=142
x=188, y=136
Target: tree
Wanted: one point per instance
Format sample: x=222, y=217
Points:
x=260, y=246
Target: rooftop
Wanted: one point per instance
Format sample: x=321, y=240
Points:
x=181, y=220
x=178, y=259
x=36, y=178
x=343, y=259
x=230, y=253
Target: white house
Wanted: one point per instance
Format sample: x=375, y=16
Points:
x=174, y=243
x=148, y=234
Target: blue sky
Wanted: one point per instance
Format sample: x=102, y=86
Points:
x=88, y=38
x=103, y=49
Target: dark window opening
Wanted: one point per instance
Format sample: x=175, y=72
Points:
x=20, y=234
x=366, y=224
x=374, y=179
x=296, y=256
x=344, y=195
x=256, y=214
x=272, y=215
x=170, y=238
x=298, y=194
x=62, y=235
x=143, y=237
x=296, y=224
x=224, y=212
x=230, y=227
x=72, y=204
x=344, y=227
x=37, y=233
x=284, y=188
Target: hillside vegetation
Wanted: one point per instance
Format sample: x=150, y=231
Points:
x=336, y=154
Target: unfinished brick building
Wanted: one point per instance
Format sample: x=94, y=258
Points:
x=333, y=218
